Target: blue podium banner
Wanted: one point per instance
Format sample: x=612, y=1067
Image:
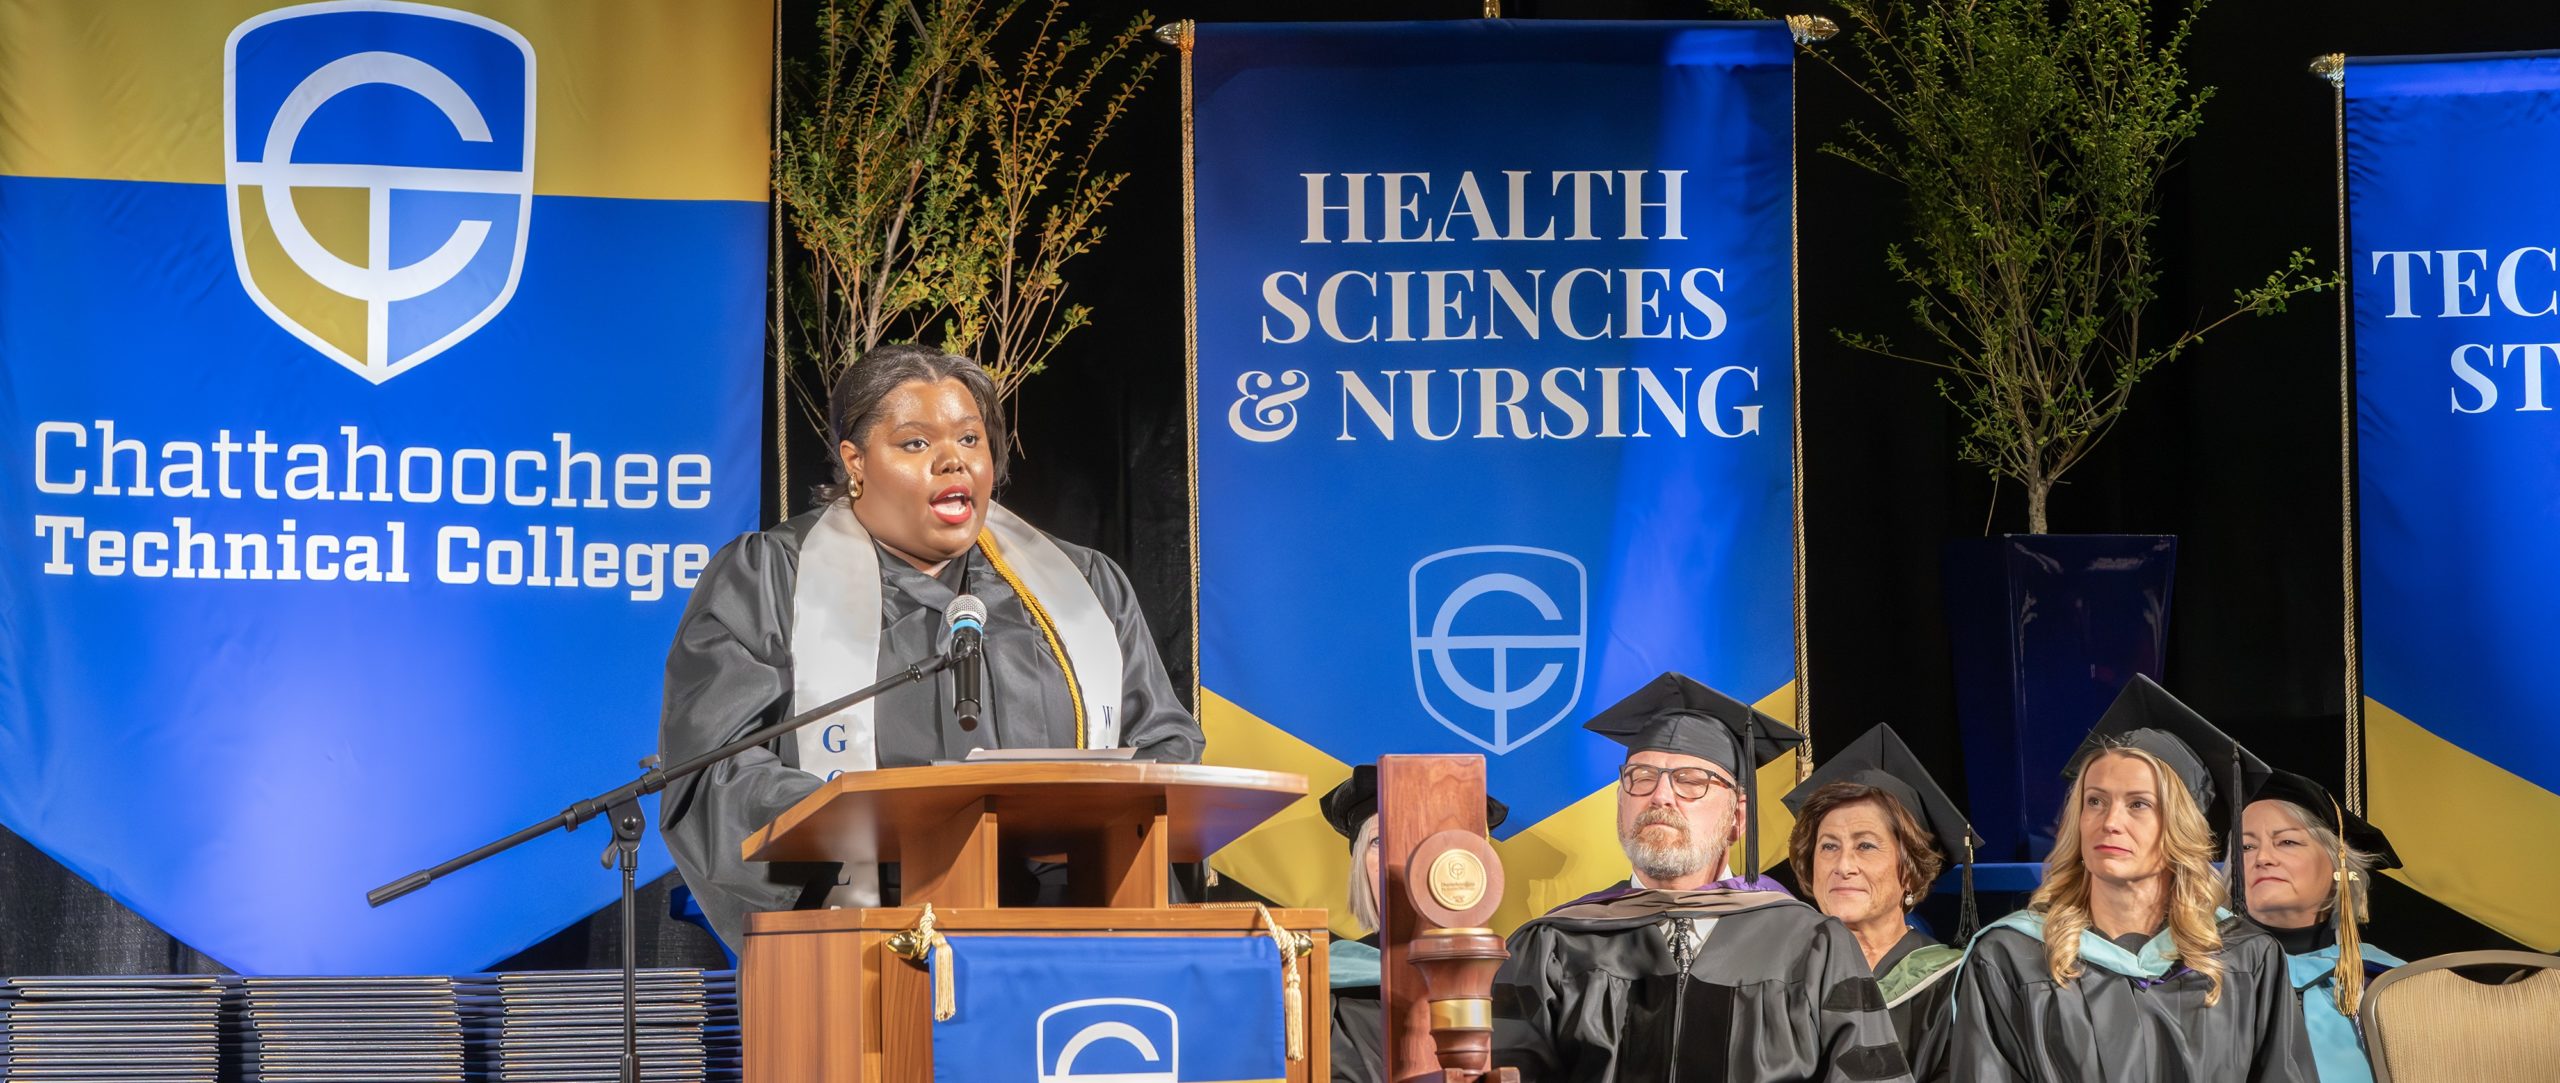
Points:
x=379, y=376
x=1051, y=1009
x=1494, y=387
x=2456, y=274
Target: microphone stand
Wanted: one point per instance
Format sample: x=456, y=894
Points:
x=622, y=803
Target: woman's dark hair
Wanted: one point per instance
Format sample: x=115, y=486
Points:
x=1920, y=858
x=853, y=406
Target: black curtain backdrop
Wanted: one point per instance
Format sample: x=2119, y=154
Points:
x=2234, y=449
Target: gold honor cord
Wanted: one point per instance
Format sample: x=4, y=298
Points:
x=1183, y=35
x=1048, y=628
x=2333, y=67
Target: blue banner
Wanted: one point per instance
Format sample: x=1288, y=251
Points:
x=2456, y=274
x=1494, y=391
x=1050, y=1009
x=380, y=376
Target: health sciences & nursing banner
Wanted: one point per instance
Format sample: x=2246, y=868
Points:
x=1494, y=387
x=2457, y=301
x=380, y=375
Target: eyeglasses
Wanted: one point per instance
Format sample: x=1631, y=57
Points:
x=1691, y=783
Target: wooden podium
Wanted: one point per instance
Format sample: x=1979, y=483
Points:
x=821, y=993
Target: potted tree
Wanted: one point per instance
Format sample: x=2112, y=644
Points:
x=937, y=166
x=2031, y=140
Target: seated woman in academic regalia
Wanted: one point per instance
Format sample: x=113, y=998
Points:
x=1359, y=1025
x=1872, y=832
x=2298, y=846
x=830, y=601
x=2124, y=966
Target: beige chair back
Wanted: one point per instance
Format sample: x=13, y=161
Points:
x=2425, y=1023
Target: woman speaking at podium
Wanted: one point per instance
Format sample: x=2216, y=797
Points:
x=831, y=600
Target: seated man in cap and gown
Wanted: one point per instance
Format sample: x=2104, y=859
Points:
x=2125, y=965
x=1359, y=1028
x=1872, y=832
x=2309, y=864
x=1685, y=971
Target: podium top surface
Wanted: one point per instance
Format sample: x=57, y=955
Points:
x=1042, y=806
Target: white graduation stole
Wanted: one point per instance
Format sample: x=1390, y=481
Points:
x=835, y=647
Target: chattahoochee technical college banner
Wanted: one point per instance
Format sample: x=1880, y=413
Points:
x=1494, y=391
x=2456, y=268
x=377, y=377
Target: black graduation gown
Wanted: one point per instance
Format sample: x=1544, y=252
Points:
x=1917, y=979
x=2013, y=1022
x=729, y=671
x=1594, y=992
x=1359, y=1028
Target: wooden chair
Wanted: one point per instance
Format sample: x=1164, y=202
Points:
x=2426, y=1021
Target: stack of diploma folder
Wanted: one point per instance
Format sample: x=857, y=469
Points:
x=130, y=1030
x=566, y=1026
x=328, y=1030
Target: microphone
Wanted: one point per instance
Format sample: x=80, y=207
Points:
x=967, y=619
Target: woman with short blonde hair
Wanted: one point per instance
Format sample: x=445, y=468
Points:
x=2124, y=965
x=2308, y=862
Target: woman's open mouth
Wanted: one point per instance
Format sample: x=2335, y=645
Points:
x=954, y=505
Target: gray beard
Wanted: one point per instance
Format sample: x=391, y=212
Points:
x=1670, y=861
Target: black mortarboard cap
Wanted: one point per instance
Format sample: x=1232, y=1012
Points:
x=2359, y=833
x=2204, y=758
x=2147, y=717
x=1878, y=758
x=1674, y=714
x=1350, y=804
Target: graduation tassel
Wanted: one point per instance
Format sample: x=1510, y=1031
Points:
x=1969, y=919
x=2350, y=940
x=1749, y=761
x=2231, y=846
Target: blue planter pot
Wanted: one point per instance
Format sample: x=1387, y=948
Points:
x=2045, y=629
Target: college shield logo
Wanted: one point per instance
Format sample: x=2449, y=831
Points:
x=1109, y=1040
x=379, y=171
x=1499, y=638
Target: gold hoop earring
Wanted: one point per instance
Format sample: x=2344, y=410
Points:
x=853, y=490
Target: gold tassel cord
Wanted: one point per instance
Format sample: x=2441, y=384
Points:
x=925, y=944
x=2350, y=972
x=1293, y=989
x=1048, y=629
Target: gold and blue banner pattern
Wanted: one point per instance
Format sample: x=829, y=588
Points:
x=381, y=375
x=2456, y=286
x=1494, y=395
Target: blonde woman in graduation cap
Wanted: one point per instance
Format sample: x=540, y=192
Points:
x=859, y=587
x=2309, y=863
x=2124, y=965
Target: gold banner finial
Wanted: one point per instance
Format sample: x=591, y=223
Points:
x=1175, y=35
x=1809, y=29
x=2332, y=67
x=1493, y=9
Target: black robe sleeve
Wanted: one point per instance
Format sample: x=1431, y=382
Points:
x=1152, y=718
x=728, y=672
x=1528, y=997
x=2284, y=1040
x=1927, y=1034
x=1986, y=1042
x=1359, y=1035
